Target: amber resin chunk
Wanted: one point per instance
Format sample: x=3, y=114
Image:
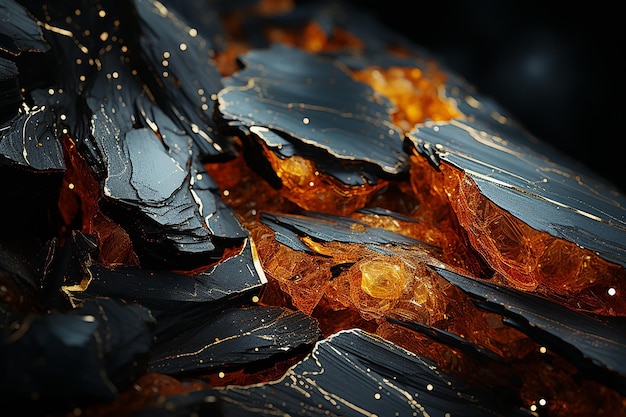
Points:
x=336, y=276
x=304, y=185
x=417, y=93
x=524, y=258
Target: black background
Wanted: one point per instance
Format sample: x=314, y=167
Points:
x=558, y=67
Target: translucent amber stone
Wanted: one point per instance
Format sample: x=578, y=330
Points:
x=524, y=258
x=387, y=279
x=417, y=94
x=245, y=191
x=304, y=185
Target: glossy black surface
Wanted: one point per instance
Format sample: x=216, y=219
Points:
x=312, y=103
x=549, y=193
x=596, y=345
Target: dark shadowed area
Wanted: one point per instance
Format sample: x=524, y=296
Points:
x=557, y=67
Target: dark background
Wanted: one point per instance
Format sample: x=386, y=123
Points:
x=557, y=67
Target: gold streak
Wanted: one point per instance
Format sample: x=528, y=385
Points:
x=60, y=31
x=82, y=286
x=67, y=33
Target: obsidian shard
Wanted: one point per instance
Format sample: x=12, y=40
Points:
x=237, y=208
x=328, y=228
x=565, y=200
x=596, y=344
x=390, y=380
x=108, y=339
x=276, y=100
x=20, y=31
x=30, y=152
x=184, y=75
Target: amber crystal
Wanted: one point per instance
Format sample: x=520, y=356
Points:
x=245, y=191
x=416, y=93
x=524, y=258
x=378, y=286
x=305, y=186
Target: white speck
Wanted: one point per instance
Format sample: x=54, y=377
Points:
x=306, y=120
x=612, y=291
x=377, y=396
x=183, y=46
